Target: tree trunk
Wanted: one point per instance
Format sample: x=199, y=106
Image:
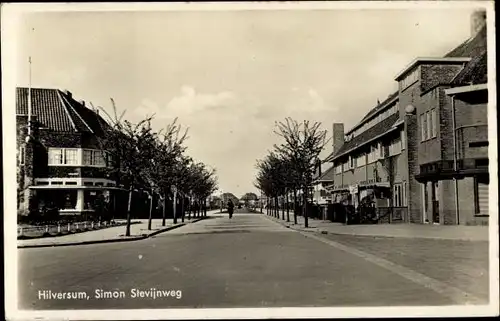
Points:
x=287, y=209
x=306, y=221
x=190, y=206
x=277, y=210
x=175, y=207
x=283, y=210
x=182, y=208
x=164, y=209
x=295, y=206
x=150, y=219
x=129, y=208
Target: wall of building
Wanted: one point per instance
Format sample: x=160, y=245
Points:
x=411, y=96
x=466, y=201
x=446, y=196
x=429, y=150
x=471, y=114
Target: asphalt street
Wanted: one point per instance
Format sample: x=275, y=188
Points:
x=246, y=261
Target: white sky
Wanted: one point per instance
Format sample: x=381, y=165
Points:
x=230, y=75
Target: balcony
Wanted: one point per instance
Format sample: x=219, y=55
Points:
x=472, y=141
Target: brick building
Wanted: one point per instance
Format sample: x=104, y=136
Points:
x=421, y=156
x=61, y=165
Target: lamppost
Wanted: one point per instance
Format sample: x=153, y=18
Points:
x=173, y=188
x=221, y=200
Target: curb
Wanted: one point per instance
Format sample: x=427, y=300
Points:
x=72, y=233
x=322, y=232
x=137, y=238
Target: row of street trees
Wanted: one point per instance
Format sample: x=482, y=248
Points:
x=143, y=159
x=289, y=168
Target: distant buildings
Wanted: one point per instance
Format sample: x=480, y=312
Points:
x=421, y=155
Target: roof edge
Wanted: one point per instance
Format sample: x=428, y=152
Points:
x=61, y=100
x=420, y=60
x=385, y=105
x=464, y=89
x=390, y=130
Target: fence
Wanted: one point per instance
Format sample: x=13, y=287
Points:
x=63, y=229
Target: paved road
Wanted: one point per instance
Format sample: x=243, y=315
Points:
x=248, y=261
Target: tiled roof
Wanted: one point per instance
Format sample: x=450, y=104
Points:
x=376, y=109
x=370, y=133
x=475, y=72
x=472, y=47
x=47, y=106
x=57, y=111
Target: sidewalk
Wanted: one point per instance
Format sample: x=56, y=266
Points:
x=138, y=231
x=445, y=232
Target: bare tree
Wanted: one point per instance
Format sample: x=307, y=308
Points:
x=303, y=142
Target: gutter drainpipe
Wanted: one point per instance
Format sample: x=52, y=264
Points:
x=455, y=167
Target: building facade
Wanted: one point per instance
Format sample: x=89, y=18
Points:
x=60, y=162
x=421, y=156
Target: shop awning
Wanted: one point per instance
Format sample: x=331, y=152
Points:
x=375, y=185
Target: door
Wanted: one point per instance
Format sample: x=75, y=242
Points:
x=435, y=203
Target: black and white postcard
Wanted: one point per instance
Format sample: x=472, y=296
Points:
x=249, y=160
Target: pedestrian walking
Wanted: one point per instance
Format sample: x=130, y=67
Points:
x=230, y=208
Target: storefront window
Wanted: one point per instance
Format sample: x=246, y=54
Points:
x=61, y=199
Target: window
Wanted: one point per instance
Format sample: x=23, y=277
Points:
x=395, y=147
x=405, y=199
x=434, y=122
x=361, y=160
x=22, y=152
x=403, y=140
x=429, y=125
x=345, y=166
x=71, y=156
x=94, y=158
x=338, y=169
x=397, y=195
x=373, y=155
x=109, y=160
x=64, y=156
x=381, y=151
x=352, y=162
x=410, y=79
x=55, y=156
x=87, y=157
x=423, y=126
x=99, y=158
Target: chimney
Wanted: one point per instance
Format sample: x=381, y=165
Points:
x=477, y=22
x=318, y=166
x=68, y=93
x=82, y=102
x=338, y=136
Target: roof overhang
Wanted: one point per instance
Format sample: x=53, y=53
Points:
x=465, y=89
x=382, y=109
x=394, y=127
x=422, y=60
